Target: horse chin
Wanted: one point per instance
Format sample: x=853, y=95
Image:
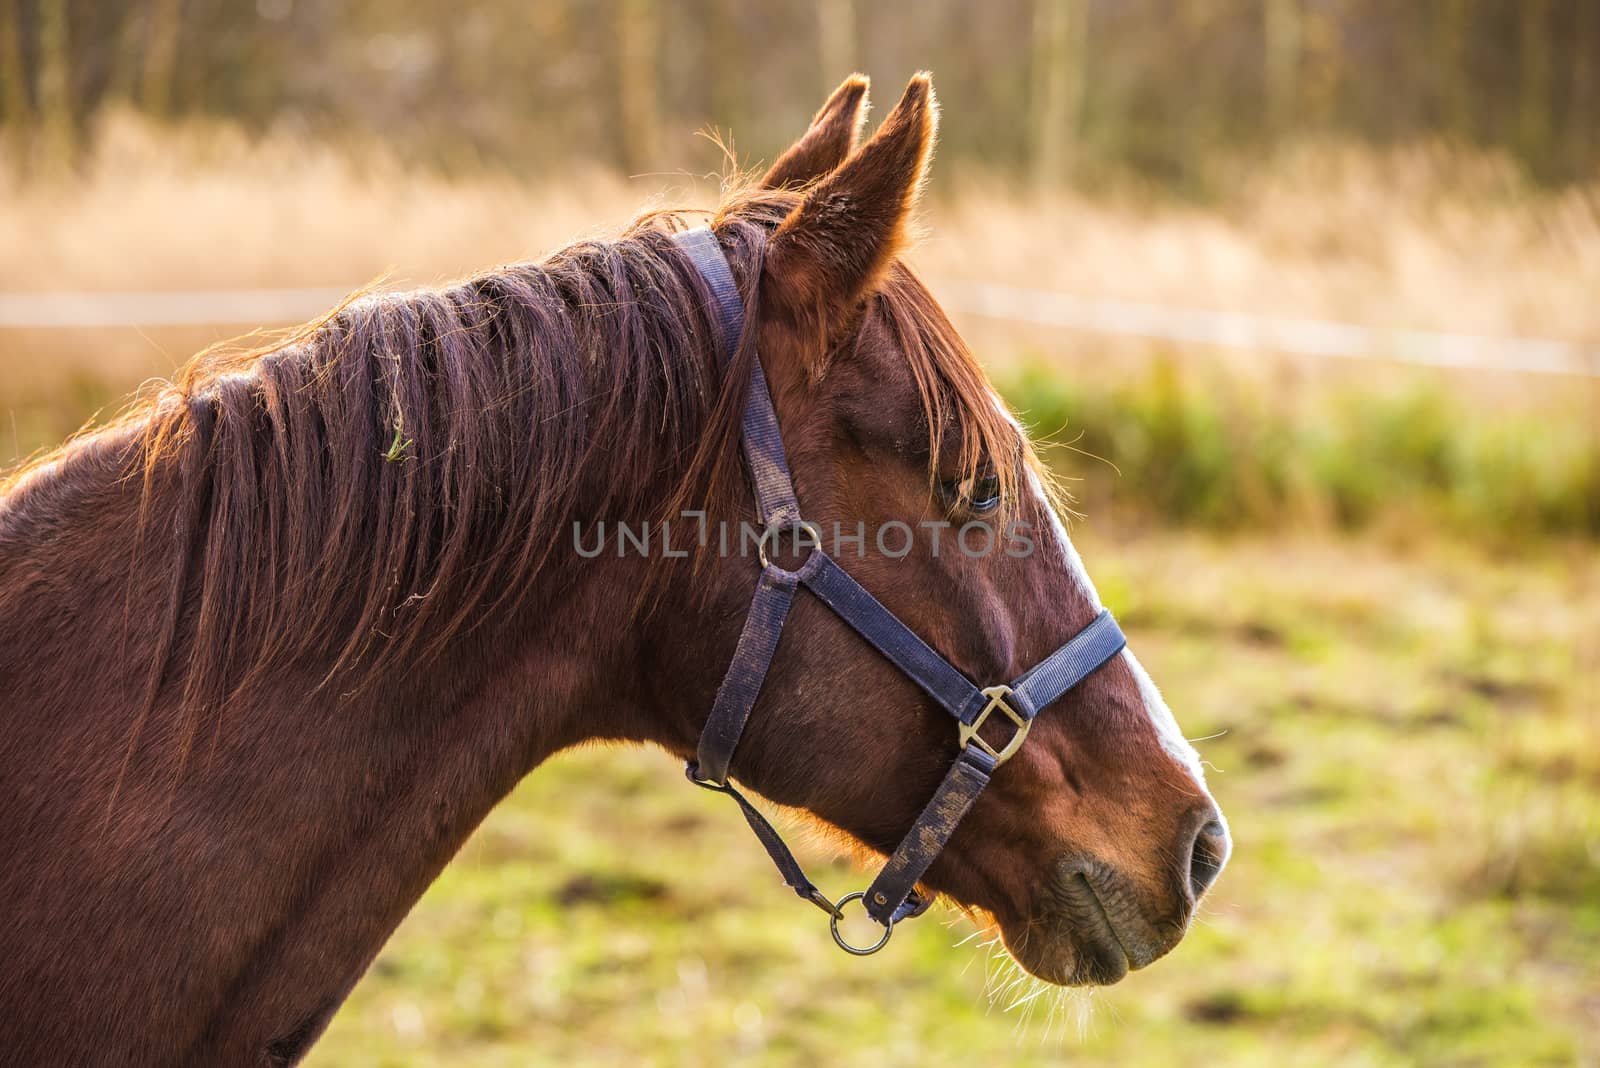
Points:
x=1067, y=954
x=1073, y=940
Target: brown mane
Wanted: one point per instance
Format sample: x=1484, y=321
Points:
x=422, y=451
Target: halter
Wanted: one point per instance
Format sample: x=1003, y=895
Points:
x=893, y=895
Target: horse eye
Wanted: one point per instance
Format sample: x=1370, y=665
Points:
x=980, y=493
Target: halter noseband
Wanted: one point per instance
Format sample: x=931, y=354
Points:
x=892, y=896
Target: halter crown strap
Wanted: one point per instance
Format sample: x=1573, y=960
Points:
x=760, y=438
x=892, y=895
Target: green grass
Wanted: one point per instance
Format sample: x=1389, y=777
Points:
x=1218, y=451
x=1409, y=755
x=1226, y=452
x=1411, y=764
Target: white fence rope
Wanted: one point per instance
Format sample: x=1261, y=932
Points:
x=1296, y=336
x=1320, y=338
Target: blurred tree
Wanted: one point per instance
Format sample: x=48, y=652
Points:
x=1584, y=121
x=1281, y=31
x=1060, y=32
x=1533, y=114
x=836, y=24
x=15, y=109
x=517, y=85
x=638, y=35
x=58, y=141
x=727, y=75
x=164, y=20
x=1323, y=47
x=1450, y=68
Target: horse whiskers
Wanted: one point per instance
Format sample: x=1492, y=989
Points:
x=964, y=941
x=1008, y=985
x=1028, y=998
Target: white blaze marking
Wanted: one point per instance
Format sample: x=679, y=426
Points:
x=1161, y=717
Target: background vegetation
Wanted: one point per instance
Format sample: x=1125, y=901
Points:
x=1373, y=588
x=1054, y=87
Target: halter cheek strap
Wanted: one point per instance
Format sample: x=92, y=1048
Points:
x=893, y=895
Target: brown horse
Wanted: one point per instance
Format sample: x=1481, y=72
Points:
x=274, y=643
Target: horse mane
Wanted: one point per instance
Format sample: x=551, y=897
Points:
x=424, y=451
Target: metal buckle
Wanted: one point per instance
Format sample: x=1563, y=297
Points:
x=774, y=533
x=819, y=899
x=968, y=733
x=691, y=771
x=838, y=914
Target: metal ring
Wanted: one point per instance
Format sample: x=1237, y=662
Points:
x=857, y=951
x=774, y=531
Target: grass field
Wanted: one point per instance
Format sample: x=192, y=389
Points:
x=1410, y=757
x=1375, y=592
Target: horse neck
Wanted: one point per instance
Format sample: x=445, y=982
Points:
x=265, y=856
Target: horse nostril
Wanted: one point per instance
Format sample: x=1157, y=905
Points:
x=1210, y=852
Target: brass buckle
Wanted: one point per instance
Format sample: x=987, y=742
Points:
x=968, y=734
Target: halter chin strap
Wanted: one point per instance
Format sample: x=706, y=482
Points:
x=893, y=895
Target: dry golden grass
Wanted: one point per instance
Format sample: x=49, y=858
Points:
x=205, y=206
x=1420, y=239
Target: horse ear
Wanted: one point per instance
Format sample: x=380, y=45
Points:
x=836, y=244
x=830, y=139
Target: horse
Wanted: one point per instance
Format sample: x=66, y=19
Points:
x=274, y=641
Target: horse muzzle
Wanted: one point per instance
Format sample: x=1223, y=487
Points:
x=1093, y=924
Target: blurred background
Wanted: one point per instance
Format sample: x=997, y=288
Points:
x=1303, y=297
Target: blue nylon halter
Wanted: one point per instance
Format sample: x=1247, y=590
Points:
x=893, y=895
